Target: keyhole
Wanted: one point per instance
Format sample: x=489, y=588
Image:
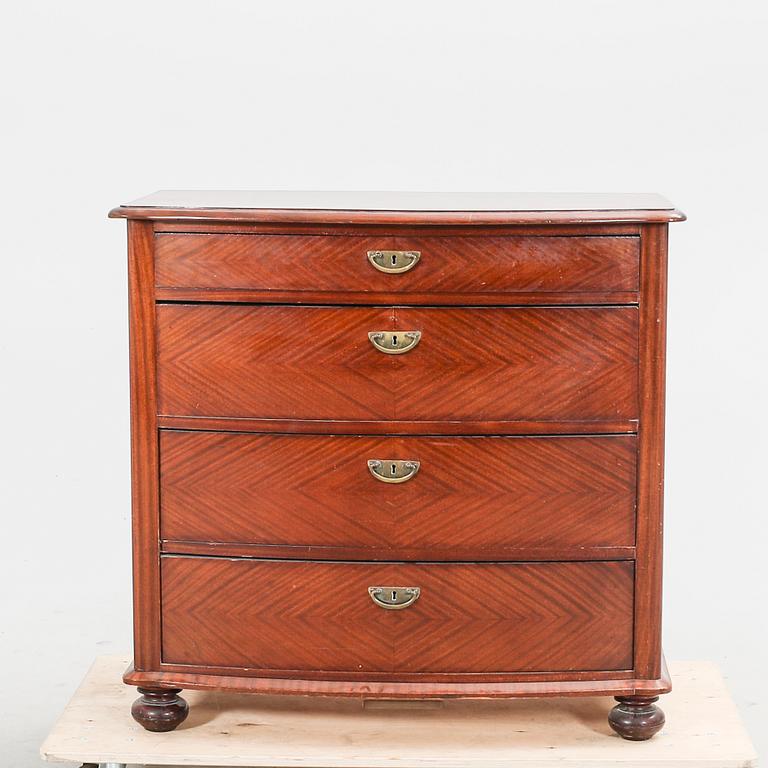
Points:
x=394, y=260
x=394, y=595
x=392, y=469
x=394, y=341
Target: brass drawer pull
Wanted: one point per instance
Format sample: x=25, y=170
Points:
x=394, y=262
x=393, y=470
x=394, y=598
x=394, y=342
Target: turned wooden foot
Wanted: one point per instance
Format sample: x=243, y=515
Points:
x=160, y=709
x=636, y=718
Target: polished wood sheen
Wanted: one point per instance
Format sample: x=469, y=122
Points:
x=398, y=426
x=471, y=364
x=397, y=208
x=512, y=686
x=144, y=456
x=160, y=709
x=636, y=718
x=533, y=402
x=452, y=265
x=470, y=618
x=472, y=498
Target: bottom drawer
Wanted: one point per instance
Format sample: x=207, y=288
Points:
x=270, y=616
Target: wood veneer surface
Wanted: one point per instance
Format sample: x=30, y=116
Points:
x=481, y=618
x=488, y=495
x=220, y=344
x=400, y=207
x=447, y=265
x=292, y=362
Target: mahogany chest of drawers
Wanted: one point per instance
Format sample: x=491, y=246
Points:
x=398, y=445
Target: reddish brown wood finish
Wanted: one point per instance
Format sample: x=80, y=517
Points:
x=650, y=483
x=540, y=370
x=470, y=618
x=550, y=684
x=474, y=364
x=191, y=226
x=398, y=208
x=144, y=458
x=393, y=294
x=398, y=427
x=398, y=218
x=417, y=554
x=636, y=718
x=448, y=264
x=262, y=296
x=488, y=496
x=160, y=709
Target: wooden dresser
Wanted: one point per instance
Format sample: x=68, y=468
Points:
x=399, y=446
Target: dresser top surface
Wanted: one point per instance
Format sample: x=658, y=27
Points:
x=401, y=207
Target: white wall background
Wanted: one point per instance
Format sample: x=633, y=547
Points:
x=103, y=102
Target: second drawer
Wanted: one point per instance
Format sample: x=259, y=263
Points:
x=459, y=497
x=401, y=363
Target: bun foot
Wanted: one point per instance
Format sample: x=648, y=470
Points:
x=636, y=718
x=160, y=709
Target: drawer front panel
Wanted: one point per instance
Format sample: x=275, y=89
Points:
x=471, y=618
x=485, y=493
x=456, y=264
x=470, y=364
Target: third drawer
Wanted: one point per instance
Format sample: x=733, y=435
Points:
x=327, y=496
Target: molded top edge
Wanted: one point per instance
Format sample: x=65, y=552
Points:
x=405, y=207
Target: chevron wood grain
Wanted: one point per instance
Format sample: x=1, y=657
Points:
x=456, y=264
x=471, y=364
x=470, y=618
x=518, y=363
x=533, y=402
x=486, y=495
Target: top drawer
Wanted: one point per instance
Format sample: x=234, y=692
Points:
x=433, y=266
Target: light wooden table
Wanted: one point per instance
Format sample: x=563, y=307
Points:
x=703, y=729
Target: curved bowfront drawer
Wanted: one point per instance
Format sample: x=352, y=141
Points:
x=267, y=617
x=435, y=265
x=404, y=363
x=341, y=497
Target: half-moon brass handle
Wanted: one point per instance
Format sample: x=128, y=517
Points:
x=394, y=598
x=393, y=470
x=394, y=262
x=394, y=342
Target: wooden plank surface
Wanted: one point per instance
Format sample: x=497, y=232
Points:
x=703, y=729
